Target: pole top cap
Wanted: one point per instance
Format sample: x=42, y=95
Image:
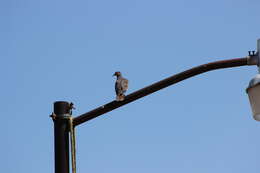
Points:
x=61, y=107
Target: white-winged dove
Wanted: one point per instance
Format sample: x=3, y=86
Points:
x=121, y=86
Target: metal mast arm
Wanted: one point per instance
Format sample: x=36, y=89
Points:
x=250, y=60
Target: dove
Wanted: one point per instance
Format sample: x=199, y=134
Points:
x=121, y=86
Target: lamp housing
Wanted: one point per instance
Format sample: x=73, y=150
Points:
x=253, y=92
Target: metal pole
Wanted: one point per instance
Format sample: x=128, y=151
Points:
x=61, y=136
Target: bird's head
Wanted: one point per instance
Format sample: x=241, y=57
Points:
x=117, y=73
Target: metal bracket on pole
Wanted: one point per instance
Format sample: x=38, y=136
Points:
x=253, y=57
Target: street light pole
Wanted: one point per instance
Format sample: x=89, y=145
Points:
x=61, y=136
x=62, y=109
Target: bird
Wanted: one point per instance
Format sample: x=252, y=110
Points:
x=121, y=86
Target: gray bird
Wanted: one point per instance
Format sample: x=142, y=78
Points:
x=121, y=86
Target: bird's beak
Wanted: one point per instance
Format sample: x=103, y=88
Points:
x=114, y=74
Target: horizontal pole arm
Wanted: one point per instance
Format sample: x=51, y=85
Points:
x=160, y=85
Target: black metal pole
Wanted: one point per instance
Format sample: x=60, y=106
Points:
x=61, y=136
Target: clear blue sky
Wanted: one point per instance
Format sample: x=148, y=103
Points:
x=68, y=50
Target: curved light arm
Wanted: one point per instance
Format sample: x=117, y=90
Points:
x=250, y=60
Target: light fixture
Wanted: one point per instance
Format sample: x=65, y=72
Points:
x=253, y=89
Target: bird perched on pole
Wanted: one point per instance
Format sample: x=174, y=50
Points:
x=121, y=86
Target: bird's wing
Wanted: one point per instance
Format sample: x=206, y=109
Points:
x=124, y=84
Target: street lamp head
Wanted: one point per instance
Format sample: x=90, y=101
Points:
x=253, y=89
x=253, y=92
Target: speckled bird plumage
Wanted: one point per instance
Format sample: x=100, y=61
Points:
x=121, y=86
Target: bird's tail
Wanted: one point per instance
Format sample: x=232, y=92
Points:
x=120, y=97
